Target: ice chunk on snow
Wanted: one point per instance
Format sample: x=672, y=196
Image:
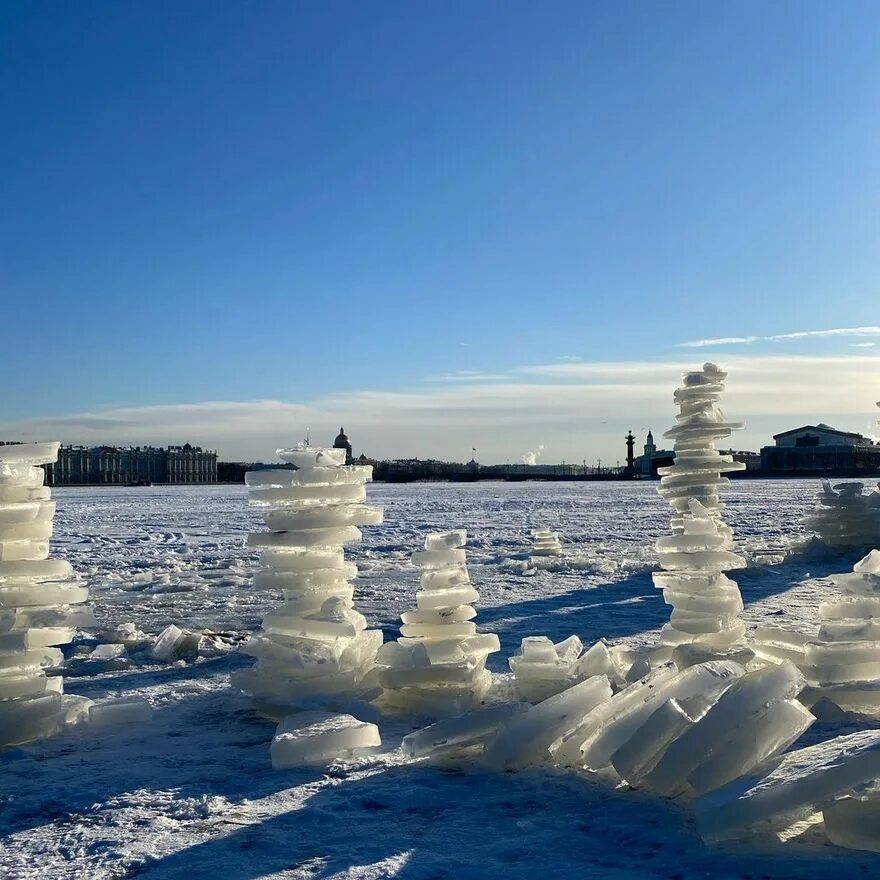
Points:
x=463, y=735
x=319, y=738
x=796, y=786
x=174, y=643
x=853, y=821
x=127, y=710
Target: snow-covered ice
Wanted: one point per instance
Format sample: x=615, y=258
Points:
x=192, y=793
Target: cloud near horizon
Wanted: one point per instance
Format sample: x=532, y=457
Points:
x=782, y=337
x=577, y=409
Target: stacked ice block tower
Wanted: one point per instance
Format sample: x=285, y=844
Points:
x=438, y=667
x=705, y=622
x=314, y=648
x=846, y=516
x=545, y=543
x=40, y=599
x=843, y=663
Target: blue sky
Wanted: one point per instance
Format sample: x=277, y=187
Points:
x=225, y=220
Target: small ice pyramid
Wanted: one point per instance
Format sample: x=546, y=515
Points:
x=705, y=623
x=545, y=543
x=438, y=667
x=40, y=601
x=315, y=646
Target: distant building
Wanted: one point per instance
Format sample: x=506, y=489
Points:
x=652, y=458
x=342, y=442
x=819, y=449
x=78, y=465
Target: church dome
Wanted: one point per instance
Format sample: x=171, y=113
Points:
x=341, y=442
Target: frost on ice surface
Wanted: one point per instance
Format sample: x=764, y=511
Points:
x=438, y=666
x=319, y=738
x=38, y=599
x=315, y=645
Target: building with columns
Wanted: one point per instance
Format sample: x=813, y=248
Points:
x=84, y=465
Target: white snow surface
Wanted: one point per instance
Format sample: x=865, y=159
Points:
x=191, y=793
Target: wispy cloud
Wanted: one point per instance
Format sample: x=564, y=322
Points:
x=468, y=376
x=781, y=337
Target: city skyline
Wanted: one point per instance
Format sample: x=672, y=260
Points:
x=574, y=409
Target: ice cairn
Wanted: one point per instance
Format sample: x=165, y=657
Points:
x=541, y=668
x=545, y=543
x=40, y=602
x=846, y=517
x=842, y=663
x=438, y=666
x=314, y=650
x=705, y=623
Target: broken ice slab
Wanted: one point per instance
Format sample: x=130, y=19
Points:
x=614, y=724
x=174, y=643
x=305, y=457
x=640, y=753
x=853, y=820
x=326, y=516
x=438, y=558
x=732, y=716
x=20, y=455
x=319, y=738
x=107, y=652
x=452, y=598
x=456, y=614
x=126, y=710
x=37, y=570
x=446, y=540
x=445, y=578
x=440, y=631
x=75, y=709
x=30, y=718
x=330, y=537
x=790, y=788
x=754, y=742
x=34, y=639
x=775, y=644
x=527, y=739
x=463, y=735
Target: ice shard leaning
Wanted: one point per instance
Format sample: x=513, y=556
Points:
x=705, y=622
x=314, y=648
x=40, y=599
x=438, y=666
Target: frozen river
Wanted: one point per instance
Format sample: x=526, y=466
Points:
x=192, y=793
